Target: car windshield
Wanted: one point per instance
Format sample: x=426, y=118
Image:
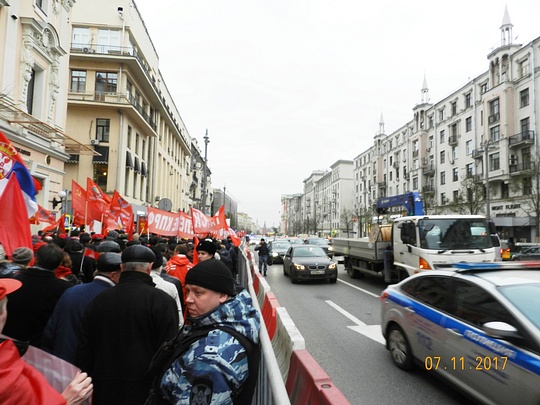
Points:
x=308, y=251
x=526, y=297
x=454, y=233
x=296, y=241
x=319, y=242
x=280, y=245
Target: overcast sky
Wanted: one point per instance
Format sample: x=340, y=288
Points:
x=286, y=87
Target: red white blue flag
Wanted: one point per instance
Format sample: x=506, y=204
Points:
x=11, y=162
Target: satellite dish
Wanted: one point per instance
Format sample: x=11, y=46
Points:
x=165, y=204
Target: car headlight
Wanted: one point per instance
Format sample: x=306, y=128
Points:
x=332, y=266
x=331, y=248
x=299, y=266
x=275, y=254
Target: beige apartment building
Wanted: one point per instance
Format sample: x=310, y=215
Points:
x=119, y=105
x=82, y=96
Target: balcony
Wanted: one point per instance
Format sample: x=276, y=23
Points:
x=381, y=184
x=519, y=168
x=429, y=169
x=396, y=165
x=453, y=140
x=429, y=189
x=478, y=178
x=477, y=153
x=524, y=138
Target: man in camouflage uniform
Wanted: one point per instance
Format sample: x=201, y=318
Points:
x=220, y=366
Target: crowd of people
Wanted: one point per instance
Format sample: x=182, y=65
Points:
x=109, y=306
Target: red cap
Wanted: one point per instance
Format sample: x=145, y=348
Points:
x=98, y=236
x=7, y=286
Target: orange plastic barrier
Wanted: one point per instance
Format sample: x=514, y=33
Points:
x=307, y=383
x=269, y=312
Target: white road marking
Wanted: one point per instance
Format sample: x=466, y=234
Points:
x=371, y=331
x=359, y=289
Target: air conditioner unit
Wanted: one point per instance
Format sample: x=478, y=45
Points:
x=88, y=50
x=94, y=141
x=513, y=159
x=428, y=149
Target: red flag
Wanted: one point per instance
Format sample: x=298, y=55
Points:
x=91, y=253
x=14, y=226
x=42, y=215
x=98, y=202
x=234, y=238
x=78, y=203
x=120, y=213
x=59, y=225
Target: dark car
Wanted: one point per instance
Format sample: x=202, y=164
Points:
x=277, y=249
x=530, y=253
x=308, y=262
x=329, y=250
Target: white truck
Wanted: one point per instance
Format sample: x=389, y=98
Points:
x=412, y=244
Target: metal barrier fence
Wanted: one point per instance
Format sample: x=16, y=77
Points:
x=288, y=374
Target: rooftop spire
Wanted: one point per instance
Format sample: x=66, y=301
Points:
x=506, y=28
x=424, y=94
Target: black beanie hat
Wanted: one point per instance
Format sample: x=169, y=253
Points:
x=159, y=257
x=207, y=246
x=212, y=274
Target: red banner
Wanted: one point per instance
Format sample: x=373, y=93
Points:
x=78, y=203
x=203, y=224
x=162, y=222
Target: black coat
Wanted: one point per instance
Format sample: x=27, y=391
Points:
x=121, y=330
x=30, y=307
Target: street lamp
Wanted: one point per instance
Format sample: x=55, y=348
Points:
x=205, y=169
x=63, y=201
x=487, y=146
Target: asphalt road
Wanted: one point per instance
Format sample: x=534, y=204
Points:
x=341, y=326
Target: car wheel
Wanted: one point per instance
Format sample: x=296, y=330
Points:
x=399, y=348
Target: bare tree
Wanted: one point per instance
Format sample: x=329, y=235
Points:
x=526, y=184
x=347, y=220
x=471, y=198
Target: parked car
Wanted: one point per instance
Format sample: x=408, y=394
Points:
x=477, y=326
x=322, y=243
x=530, y=253
x=519, y=247
x=278, y=248
x=308, y=262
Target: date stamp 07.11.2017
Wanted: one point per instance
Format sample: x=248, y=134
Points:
x=481, y=363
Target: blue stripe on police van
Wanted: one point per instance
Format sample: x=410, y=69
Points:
x=517, y=356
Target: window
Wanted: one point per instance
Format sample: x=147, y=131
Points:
x=441, y=115
x=468, y=147
x=108, y=41
x=494, y=161
x=468, y=100
x=483, y=88
x=443, y=199
x=455, y=176
x=103, y=126
x=106, y=82
x=129, y=131
x=100, y=175
x=524, y=67
x=527, y=186
x=455, y=196
x=78, y=81
x=415, y=183
x=525, y=125
x=443, y=178
x=432, y=291
x=454, y=108
x=468, y=124
x=80, y=38
x=494, y=111
x=469, y=170
x=454, y=131
x=128, y=90
x=442, y=157
x=524, y=98
x=30, y=93
x=495, y=133
x=475, y=306
x=505, y=190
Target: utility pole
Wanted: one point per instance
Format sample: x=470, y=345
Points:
x=205, y=173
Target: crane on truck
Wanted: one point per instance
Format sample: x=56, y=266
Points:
x=411, y=201
x=417, y=242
